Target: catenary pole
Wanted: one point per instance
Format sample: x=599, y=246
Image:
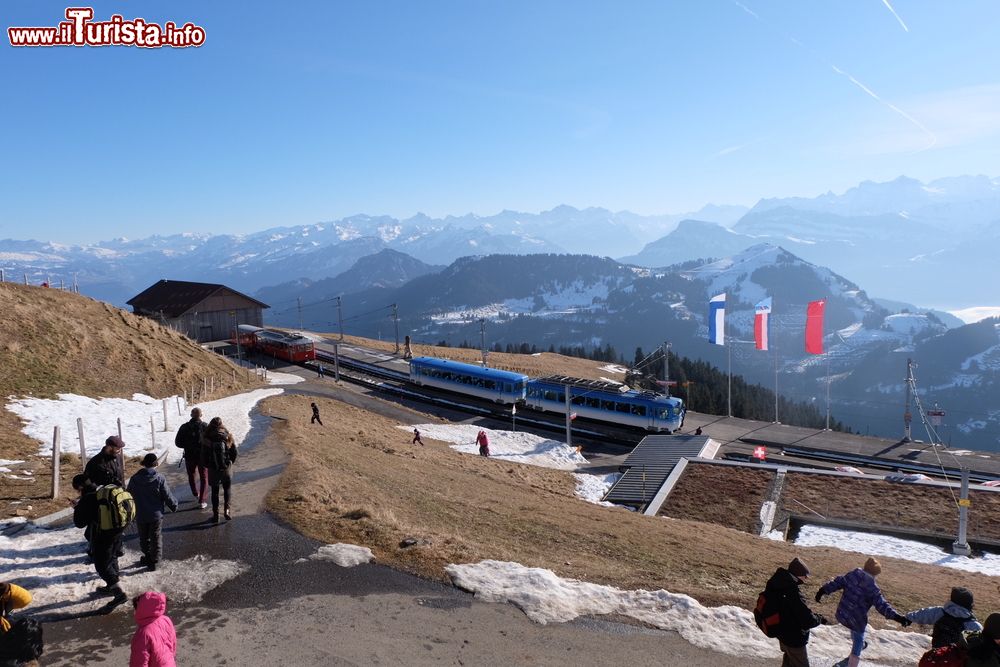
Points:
x=340, y=319
x=569, y=418
x=395, y=324
x=961, y=546
x=666, y=366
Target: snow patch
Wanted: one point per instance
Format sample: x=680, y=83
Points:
x=344, y=555
x=593, y=487
x=547, y=598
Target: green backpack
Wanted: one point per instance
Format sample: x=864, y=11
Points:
x=115, y=507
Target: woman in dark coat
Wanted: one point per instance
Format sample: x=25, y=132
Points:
x=220, y=452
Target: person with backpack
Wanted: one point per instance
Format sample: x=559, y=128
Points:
x=22, y=644
x=315, y=417
x=949, y=621
x=154, y=643
x=782, y=613
x=984, y=647
x=483, y=441
x=188, y=438
x=105, y=467
x=416, y=437
x=860, y=593
x=107, y=526
x=220, y=454
x=12, y=597
x=152, y=497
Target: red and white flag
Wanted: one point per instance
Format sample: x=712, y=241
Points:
x=572, y=416
x=814, y=326
x=762, y=312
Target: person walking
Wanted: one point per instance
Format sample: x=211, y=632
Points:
x=152, y=497
x=12, y=597
x=188, y=438
x=484, y=443
x=319, y=370
x=860, y=593
x=220, y=453
x=315, y=417
x=784, y=592
x=407, y=352
x=154, y=643
x=104, y=543
x=416, y=437
x=951, y=620
x=984, y=647
x=105, y=467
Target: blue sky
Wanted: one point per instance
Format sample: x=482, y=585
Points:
x=334, y=108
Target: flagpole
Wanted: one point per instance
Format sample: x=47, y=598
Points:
x=774, y=352
x=729, y=393
x=828, y=390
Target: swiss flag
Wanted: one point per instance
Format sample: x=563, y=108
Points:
x=572, y=416
x=760, y=453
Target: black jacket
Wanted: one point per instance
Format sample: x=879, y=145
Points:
x=104, y=469
x=783, y=590
x=86, y=511
x=188, y=438
x=216, y=453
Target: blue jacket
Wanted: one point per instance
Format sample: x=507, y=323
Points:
x=861, y=593
x=151, y=493
x=948, y=631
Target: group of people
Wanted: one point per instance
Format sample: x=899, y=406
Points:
x=793, y=619
x=209, y=454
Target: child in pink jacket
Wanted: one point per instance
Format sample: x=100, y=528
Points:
x=154, y=643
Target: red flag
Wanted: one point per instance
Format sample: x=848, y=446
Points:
x=814, y=326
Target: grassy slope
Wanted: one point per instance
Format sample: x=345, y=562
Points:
x=54, y=342
x=359, y=480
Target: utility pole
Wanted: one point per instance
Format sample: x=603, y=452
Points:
x=961, y=546
x=298, y=300
x=828, y=390
x=729, y=391
x=569, y=418
x=482, y=339
x=666, y=367
x=907, y=415
x=395, y=324
x=340, y=319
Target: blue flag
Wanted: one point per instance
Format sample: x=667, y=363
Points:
x=717, y=319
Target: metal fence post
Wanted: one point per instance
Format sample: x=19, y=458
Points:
x=83, y=444
x=55, y=462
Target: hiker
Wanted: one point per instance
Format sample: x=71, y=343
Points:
x=188, y=438
x=416, y=437
x=407, y=352
x=154, y=643
x=484, y=443
x=104, y=543
x=860, y=594
x=12, y=597
x=697, y=431
x=984, y=647
x=784, y=595
x=104, y=467
x=949, y=621
x=152, y=496
x=319, y=370
x=315, y=417
x=220, y=453
x=22, y=644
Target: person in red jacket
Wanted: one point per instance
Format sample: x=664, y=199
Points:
x=484, y=443
x=154, y=643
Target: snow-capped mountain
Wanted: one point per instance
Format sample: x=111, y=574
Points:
x=901, y=239
x=116, y=270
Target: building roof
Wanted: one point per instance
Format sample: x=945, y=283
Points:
x=173, y=298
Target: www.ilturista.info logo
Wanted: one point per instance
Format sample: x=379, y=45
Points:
x=81, y=30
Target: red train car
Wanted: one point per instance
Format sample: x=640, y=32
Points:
x=291, y=347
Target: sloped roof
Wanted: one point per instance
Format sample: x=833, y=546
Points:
x=175, y=297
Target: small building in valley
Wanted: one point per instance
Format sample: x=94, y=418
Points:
x=201, y=311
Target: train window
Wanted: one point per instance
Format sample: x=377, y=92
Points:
x=639, y=410
x=623, y=407
x=550, y=395
x=507, y=387
x=592, y=402
x=578, y=400
x=490, y=384
x=607, y=405
x=662, y=413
